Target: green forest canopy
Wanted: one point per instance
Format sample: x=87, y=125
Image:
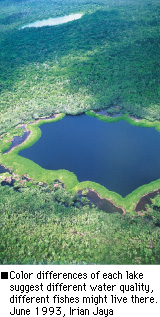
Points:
x=108, y=57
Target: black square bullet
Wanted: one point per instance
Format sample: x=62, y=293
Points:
x=4, y=275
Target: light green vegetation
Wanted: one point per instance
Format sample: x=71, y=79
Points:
x=141, y=123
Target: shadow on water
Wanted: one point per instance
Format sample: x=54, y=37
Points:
x=9, y=183
x=146, y=200
x=101, y=203
x=3, y=169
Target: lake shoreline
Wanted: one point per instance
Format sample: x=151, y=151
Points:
x=101, y=198
x=146, y=199
x=34, y=171
x=24, y=126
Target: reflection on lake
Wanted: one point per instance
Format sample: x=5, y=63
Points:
x=117, y=155
x=53, y=21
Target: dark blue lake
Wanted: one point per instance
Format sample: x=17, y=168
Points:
x=117, y=155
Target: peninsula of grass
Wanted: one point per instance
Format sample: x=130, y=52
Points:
x=23, y=166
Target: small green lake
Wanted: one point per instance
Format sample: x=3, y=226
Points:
x=119, y=156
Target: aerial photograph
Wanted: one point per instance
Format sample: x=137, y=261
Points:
x=80, y=132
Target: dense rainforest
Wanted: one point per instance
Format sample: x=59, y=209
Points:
x=106, y=60
x=108, y=57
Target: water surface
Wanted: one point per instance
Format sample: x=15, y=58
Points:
x=101, y=203
x=117, y=155
x=3, y=169
x=53, y=21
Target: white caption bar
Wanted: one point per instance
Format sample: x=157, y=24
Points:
x=80, y=291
